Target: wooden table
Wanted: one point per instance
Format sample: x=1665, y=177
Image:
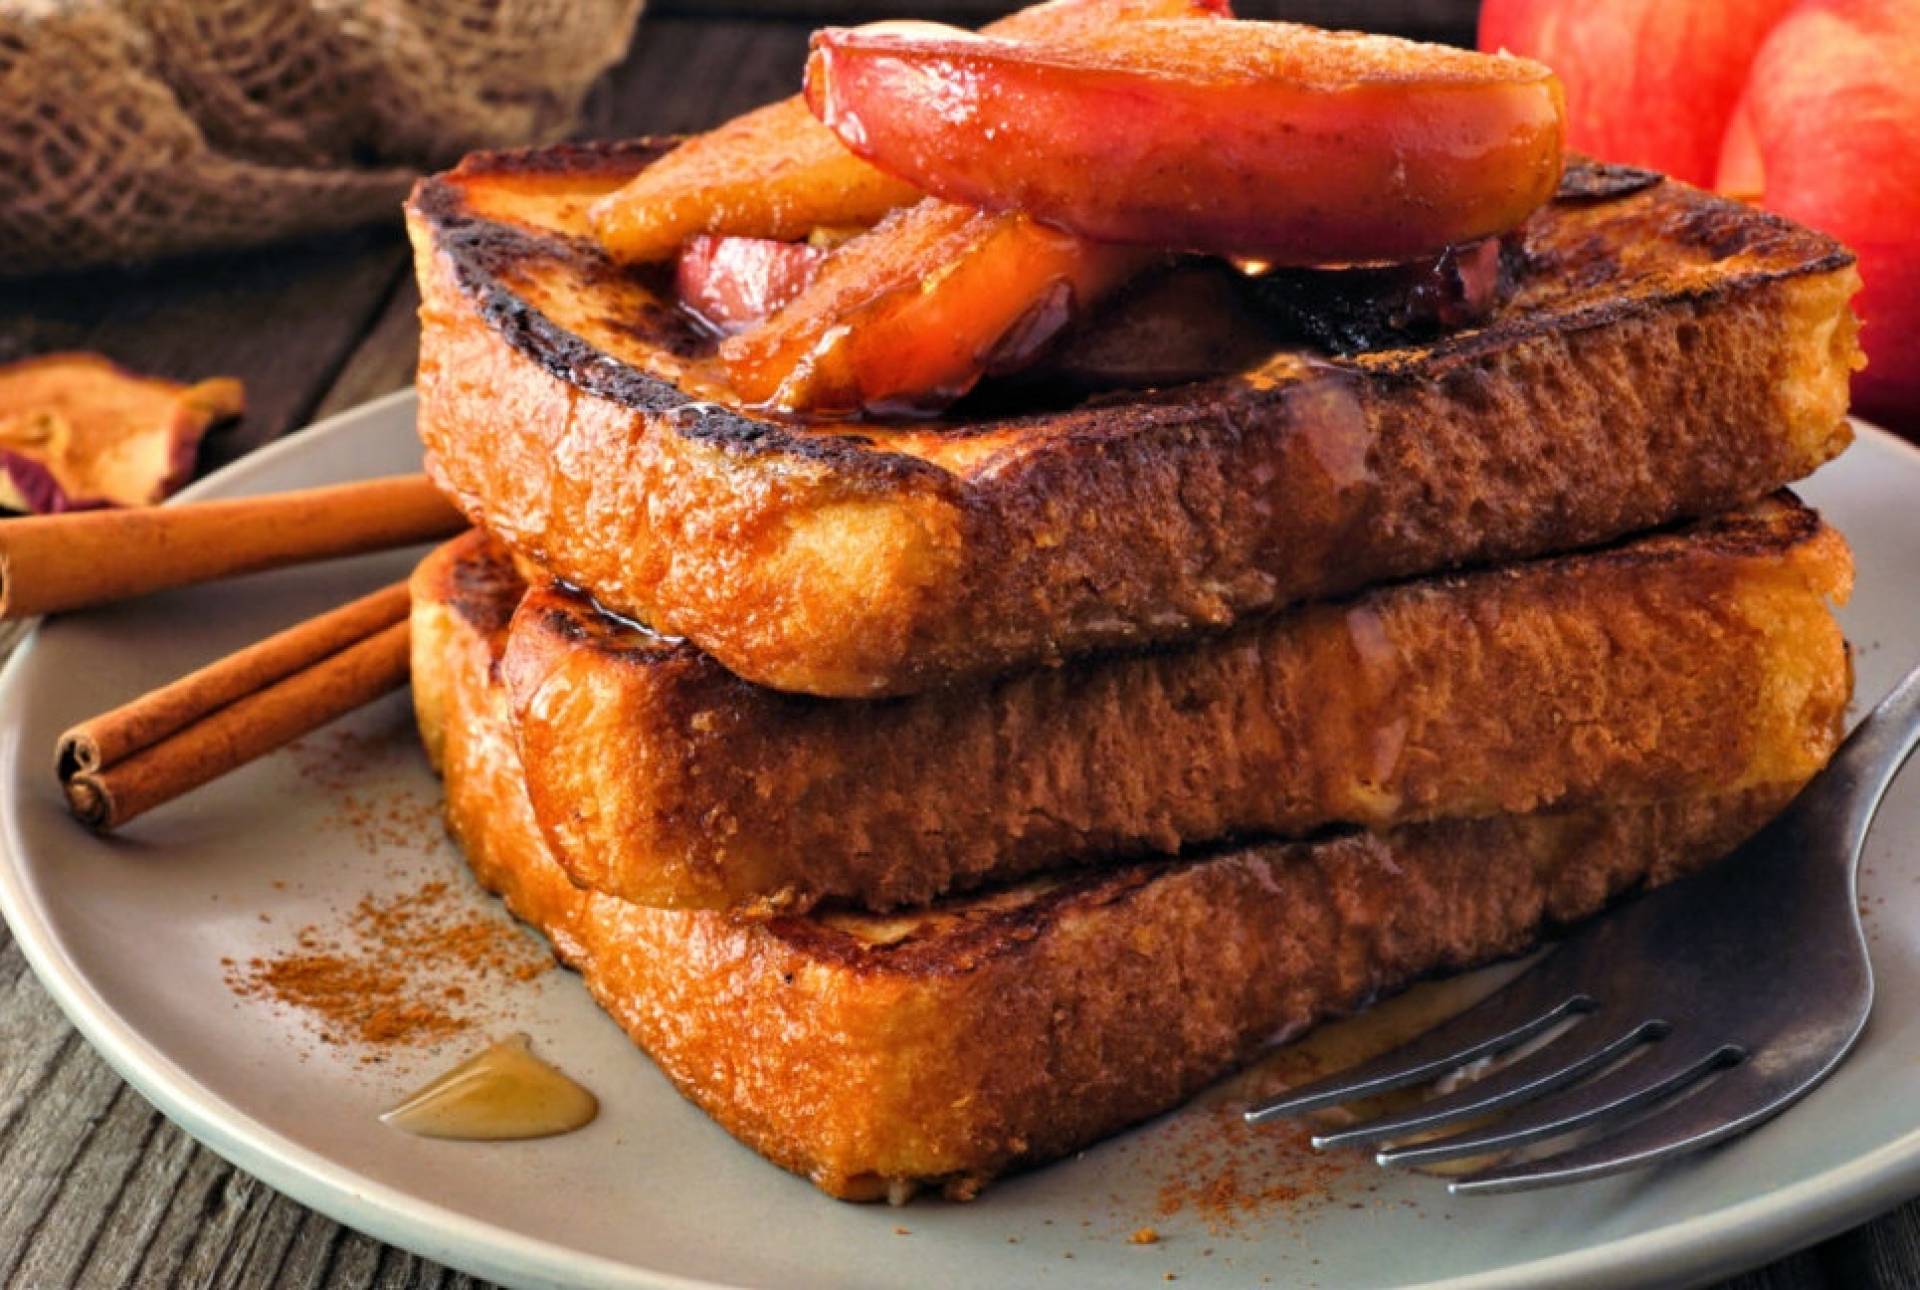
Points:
x=95, y=1187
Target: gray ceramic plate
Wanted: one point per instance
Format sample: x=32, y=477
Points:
x=129, y=934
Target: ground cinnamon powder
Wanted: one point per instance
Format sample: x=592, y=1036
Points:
x=355, y=770
x=401, y=972
x=1223, y=1172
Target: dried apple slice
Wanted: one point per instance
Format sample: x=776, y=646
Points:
x=778, y=173
x=1289, y=143
x=908, y=317
x=78, y=432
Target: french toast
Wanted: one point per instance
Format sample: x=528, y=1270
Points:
x=1666, y=354
x=1705, y=658
x=876, y=1054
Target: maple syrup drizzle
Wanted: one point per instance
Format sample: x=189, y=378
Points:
x=501, y=1094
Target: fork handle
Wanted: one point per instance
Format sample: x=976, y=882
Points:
x=1850, y=790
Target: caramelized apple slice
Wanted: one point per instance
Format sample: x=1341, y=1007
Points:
x=1288, y=143
x=773, y=173
x=778, y=173
x=733, y=282
x=908, y=317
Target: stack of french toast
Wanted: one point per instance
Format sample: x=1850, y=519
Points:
x=1007, y=585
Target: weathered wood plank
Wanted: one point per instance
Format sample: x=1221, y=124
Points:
x=687, y=75
x=384, y=360
x=40, y=1147
x=89, y=1195
x=251, y=1199
x=1883, y=1255
x=282, y=319
x=309, y=1254
x=122, y=1231
x=13, y=964
x=274, y=1235
x=34, y=1038
x=204, y=1217
x=1800, y=1271
x=355, y=1263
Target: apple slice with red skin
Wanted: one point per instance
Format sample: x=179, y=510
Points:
x=731, y=283
x=1649, y=82
x=1828, y=133
x=78, y=432
x=776, y=172
x=908, y=317
x=1271, y=140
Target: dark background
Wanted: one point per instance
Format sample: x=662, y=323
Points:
x=1427, y=19
x=97, y=1189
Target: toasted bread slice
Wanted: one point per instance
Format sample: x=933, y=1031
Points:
x=1668, y=354
x=873, y=1054
x=1702, y=659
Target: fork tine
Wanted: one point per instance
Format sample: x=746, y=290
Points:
x=1513, y=1014
x=1560, y=1063
x=1734, y=1103
x=1669, y=1067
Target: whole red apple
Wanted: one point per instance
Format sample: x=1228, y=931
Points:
x=1829, y=135
x=1649, y=82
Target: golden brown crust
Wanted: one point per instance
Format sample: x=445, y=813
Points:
x=949, y=1045
x=1673, y=355
x=1669, y=665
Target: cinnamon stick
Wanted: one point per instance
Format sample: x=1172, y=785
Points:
x=124, y=763
x=50, y=563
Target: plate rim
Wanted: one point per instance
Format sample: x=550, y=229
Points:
x=1714, y=1244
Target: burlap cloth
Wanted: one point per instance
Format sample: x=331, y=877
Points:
x=131, y=129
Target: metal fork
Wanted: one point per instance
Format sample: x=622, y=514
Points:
x=1753, y=972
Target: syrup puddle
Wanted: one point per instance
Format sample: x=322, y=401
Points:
x=502, y=1094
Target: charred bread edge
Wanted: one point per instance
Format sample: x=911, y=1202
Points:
x=477, y=248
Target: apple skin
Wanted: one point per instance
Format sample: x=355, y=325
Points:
x=1269, y=140
x=78, y=432
x=776, y=172
x=1888, y=390
x=905, y=319
x=1829, y=135
x=731, y=283
x=1649, y=82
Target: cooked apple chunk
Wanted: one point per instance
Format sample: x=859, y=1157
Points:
x=778, y=173
x=908, y=317
x=1272, y=140
x=730, y=283
x=773, y=173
